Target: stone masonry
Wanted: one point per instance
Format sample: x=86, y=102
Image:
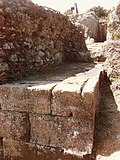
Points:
x=33, y=38
x=49, y=120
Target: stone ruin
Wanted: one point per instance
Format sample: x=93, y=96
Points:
x=34, y=38
x=47, y=117
x=50, y=118
x=95, y=29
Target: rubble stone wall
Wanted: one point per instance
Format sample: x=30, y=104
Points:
x=111, y=49
x=33, y=38
x=113, y=28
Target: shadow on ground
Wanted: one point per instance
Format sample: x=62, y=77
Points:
x=107, y=128
x=60, y=72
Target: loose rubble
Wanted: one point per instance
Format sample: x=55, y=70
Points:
x=34, y=38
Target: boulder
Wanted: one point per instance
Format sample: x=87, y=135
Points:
x=90, y=23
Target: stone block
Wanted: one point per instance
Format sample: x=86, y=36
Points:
x=14, y=125
x=67, y=99
x=73, y=135
x=27, y=97
x=91, y=97
x=16, y=150
x=78, y=96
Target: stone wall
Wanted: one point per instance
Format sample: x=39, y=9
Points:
x=33, y=38
x=112, y=46
x=113, y=31
x=111, y=51
x=95, y=28
x=89, y=21
x=49, y=120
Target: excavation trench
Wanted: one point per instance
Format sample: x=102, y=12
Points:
x=107, y=129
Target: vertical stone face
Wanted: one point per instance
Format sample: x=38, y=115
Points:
x=90, y=22
x=71, y=134
x=49, y=121
x=34, y=97
x=26, y=151
x=67, y=99
x=91, y=97
x=77, y=97
x=14, y=125
x=18, y=150
x=113, y=28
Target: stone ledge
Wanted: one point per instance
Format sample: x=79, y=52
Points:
x=77, y=96
x=27, y=96
x=58, y=114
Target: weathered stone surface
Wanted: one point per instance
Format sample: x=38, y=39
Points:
x=112, y=64
x=71, y=134
x=26, y=151
x=67, y=99
x=113, y=29
x=33, y=38
x=67, y=124
x=96, y=51
x=90, y=23
x=112, y=45
x=71, y=96
x=14, y=125
x=27, y=97
x=91, y=98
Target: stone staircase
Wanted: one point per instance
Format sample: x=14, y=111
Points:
x=50, y=116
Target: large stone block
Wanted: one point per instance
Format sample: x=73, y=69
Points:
x=77, y=96
x=91, y=97
x=27, y=96
x=14, y=125
x=67, y=99
x=16, y=150
x=73, y=135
